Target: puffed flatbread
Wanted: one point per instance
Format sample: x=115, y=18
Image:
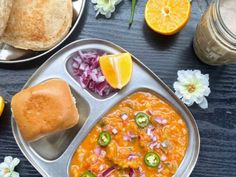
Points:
x=38, y=24
x=5, y=10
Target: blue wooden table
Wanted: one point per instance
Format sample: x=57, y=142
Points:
x=165, y=56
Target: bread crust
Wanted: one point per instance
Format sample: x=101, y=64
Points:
x=5, y=10
x=43, y=109
x=38, y=25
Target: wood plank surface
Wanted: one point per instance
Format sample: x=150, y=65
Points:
x=163, y=55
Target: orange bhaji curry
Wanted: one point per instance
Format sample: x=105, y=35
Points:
x=142, y=136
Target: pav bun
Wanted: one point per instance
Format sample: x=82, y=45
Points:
x=45, y=108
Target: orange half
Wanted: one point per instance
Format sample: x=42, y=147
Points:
x=2, y=105
x=167, y=17
x=117, y=69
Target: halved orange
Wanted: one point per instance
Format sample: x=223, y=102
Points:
x=2, y=105
x=117, y=69
x=167, y=17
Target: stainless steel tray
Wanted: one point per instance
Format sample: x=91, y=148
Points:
x=9, y=54
x=51, y=155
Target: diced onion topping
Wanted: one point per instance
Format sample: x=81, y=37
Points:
x=131, y=172
x=132, y=157
x=108, y=172
x=114, y=131
x=160, y=120
x=124, y=116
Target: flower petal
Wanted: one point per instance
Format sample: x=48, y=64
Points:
x=7, y=175
x=3, y=165
x=8, y=159
x=198, y=100
x=204, y=103
x=14, y=163
x=178, y=94
x=15, y=174
x=207, y=91
x=188, y=102
x=108, y=15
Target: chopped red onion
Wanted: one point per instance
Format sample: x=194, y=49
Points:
x=163, y=158
x=153, y=137
x=114, y=131
x=160, y=120
x=103, y=153
x=149, y=131
x=158, y=145
x=101, y=167
x=150, y=112
x=164, y=121
x=164, y=144
x=160, y=168
x=130, y=136
x=78, y=60
x=97, y=151
x=124, y=116
x=131, y=172
x=127, y=138
x=150, y=127
x=132, y=157
x=141, y=172
x=153, y=144
x=86, y=70
x=108, y=172
x=75, y=65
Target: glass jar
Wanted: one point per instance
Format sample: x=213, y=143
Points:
x=215, y=37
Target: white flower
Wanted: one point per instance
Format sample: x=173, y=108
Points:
x=7, y=167
x=192, y=86
x=105, y=7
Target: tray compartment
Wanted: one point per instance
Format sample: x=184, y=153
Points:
x=130, y=91
x=52, y=146
x=69, y=70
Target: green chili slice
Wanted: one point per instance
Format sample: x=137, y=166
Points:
x=104, y=138
x=88, y=174
x=152, y=159
x=142, y=119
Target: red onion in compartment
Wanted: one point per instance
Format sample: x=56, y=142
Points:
x=86, y=70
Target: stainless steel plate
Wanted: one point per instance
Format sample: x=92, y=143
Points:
x=51, y=155
x=9, y=54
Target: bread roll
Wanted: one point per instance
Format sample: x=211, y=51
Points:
x=5, y=9
x=43, y=109
x=38, y=25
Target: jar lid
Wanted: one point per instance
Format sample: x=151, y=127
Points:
x=227, y=14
